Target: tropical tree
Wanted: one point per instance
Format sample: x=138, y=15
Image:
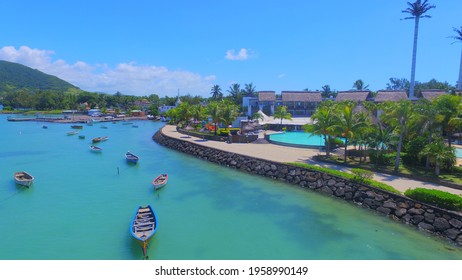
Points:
x=228, y=112
x=213, y=110
x=216, y=93
x=417, y=10
x=449, y=107
x=249, y=90
x=359, y=85
x=323, y=123
x=348, y=122
x=428, y=119
x=458, y=38
x=439, y=153
x=235, y=93
x=197, y=112
x=398, y=84
x=281, y=113
x=399, y=114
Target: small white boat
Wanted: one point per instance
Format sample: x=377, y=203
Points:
x=160, y=181
x=23, y=178
x=74, y=132
x=96, y=149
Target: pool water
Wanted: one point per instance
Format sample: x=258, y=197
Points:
x=298, y=138
x=458, y=153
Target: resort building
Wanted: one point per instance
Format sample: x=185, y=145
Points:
x=301, y=103
x=354, y=95
x=390, y=95
x=430, y=94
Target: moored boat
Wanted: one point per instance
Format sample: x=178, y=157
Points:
x=77, y=126
x=131, y=157
x=96, y=149
x=160, y=181
x=81, y=136
x=144, y=226
x=104, y=138
x=74, y=132
x=44, y=126
x=23, y=178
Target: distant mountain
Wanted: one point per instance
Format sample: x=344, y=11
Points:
x=14, y=76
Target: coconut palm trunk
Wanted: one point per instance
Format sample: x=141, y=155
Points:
x=414, y=58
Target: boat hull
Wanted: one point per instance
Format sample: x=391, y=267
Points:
x=143, y=226
x=23, y=179
x=160, y=181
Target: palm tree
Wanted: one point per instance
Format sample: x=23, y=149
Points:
x=235, y=92
x=228, y=112
x=197, y=112
x=428, y=120
x=399, y=114
x=213, y=110
x=249, y=90
x=323, y=123
x=348, y=122
x=417, y=10
x=359, y=85
x=458, y=37
x=281, y=113
x=439, y=153
x=216, y=92
x=450, y=108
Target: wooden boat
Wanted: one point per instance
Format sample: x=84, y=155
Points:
x=77, y=126
x=160, y=181
x=103, y=126
x=96, y=140
x=23, y=178
x=96, y=149
x=44, y=126
x=74, y=132
x=136, y=126
x=81, y=136
x=104, y=138
x=144, y=226
x=131, y=157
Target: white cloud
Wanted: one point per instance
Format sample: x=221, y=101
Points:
x=243, y=54
x=128, y=78
x=282, y=75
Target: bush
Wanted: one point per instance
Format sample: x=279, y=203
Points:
x=362, y=175
x=436, y=197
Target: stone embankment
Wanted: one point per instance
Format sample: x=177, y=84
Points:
x=400, y=208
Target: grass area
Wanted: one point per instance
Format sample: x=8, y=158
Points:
x=453, y=176
x=347, y=175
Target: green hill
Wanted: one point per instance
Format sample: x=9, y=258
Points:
x=14, y=76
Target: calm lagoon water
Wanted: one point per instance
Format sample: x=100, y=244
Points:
x=81, y=204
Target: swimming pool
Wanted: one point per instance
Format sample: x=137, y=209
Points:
x=458, y=153
x=299, y=139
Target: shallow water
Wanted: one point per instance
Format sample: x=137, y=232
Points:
x=81, y=204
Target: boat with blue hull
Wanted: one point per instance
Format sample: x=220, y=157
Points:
x=131, y=157
x=144, y=226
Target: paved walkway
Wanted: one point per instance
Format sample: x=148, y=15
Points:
x=289, y=154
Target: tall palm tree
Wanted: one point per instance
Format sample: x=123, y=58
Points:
x=281, y=113
x=216, y=92
x=359, y=85
x=417, y=10
x=228, y=112
x=458, y=37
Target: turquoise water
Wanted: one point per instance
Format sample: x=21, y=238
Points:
x=81, y=204
x=298, y=138
x=458, y=153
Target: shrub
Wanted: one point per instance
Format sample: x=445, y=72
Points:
x=362, y=175
x=436, y=197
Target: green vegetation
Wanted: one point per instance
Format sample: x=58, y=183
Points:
x=362, y=175
x=436, y=197
x=14, y=76
x=346, y=175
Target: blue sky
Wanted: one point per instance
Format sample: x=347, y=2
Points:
x=151, y=46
